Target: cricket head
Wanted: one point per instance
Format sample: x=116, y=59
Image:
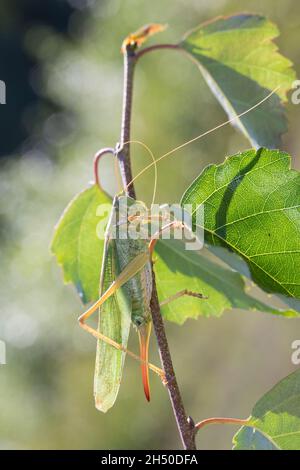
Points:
x=131, y=218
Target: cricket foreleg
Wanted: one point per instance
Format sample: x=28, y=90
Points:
x=181, y=294
x=154, y=239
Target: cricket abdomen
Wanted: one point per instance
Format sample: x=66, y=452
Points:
x=139, y=290
x=139, y=287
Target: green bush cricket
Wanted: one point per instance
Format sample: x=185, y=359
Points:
x=125, y=289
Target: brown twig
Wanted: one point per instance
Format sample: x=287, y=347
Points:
x=185, y=425
x=97, y=159
x=123, y=152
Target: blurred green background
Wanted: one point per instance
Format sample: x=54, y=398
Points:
x=62, y=66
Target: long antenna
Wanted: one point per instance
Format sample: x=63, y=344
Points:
x=154, y=162
x=198, y=137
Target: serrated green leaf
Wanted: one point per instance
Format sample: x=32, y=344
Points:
x=177, y=269
x=238, y=264
x=76, y=245
x=251, y=206
x=242, y=66
x=252, y=439
x=277, y=416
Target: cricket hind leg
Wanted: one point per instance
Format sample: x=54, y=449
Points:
x=98, y=335
x=120, y=347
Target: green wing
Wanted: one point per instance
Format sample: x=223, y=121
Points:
x=114, y=322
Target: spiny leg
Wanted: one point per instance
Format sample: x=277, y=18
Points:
x=132, y=268
x=175, y=224
x=154, y=239
x=120, y=347
x=181, y=294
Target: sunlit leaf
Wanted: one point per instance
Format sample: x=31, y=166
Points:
x=277, y=416
x=177, y=269
x=76, y=244
x=242, y=66
x=251, y=206
x=237, y=263
x=252, y=439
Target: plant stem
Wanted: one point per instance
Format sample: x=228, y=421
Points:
x=185, y=425
x=156, y=47
x=124, y=152
x=204, y=422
